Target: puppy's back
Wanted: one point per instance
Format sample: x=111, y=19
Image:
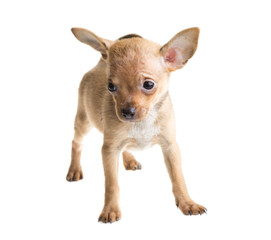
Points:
x=92, y=94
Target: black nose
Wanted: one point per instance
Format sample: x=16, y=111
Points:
x=128, y=113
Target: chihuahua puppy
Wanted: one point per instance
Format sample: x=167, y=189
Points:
x=125, y=96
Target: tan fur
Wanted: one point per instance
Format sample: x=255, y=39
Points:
x=127, y=63
x=130, y=162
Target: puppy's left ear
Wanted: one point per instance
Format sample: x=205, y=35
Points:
x=180, y=48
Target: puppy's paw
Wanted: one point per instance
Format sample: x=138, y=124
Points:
x=132, y=165
x=191, y=208
x=74, y=175
x=110, y=214
x=130, y=162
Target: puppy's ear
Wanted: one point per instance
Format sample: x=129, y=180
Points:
x=89, y=38
x=180, y=48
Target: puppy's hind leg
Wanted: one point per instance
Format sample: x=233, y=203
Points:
x=130, y=162
x=81, y=127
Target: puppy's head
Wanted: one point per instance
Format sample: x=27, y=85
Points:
x=138, y=69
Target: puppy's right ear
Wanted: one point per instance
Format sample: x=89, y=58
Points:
x=89, y=38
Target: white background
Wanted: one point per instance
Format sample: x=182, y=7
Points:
x=222, y=103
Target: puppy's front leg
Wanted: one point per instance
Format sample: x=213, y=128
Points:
x=172, y=158
x=111, y=211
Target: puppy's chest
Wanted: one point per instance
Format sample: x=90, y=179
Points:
x=143, y=133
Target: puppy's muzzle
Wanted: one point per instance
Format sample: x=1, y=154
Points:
x=128, y=113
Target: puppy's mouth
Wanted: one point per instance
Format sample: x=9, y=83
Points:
x=132, y=115
x=130, y=120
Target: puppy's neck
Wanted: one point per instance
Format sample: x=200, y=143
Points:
x=145, y=131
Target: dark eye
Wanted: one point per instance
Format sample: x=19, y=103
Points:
x=148, y=85
x=112, y=87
